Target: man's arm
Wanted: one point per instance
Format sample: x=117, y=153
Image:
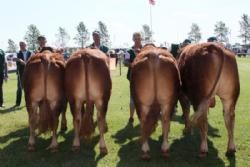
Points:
x=20, y=61
x=5, y=71
x=127, y=60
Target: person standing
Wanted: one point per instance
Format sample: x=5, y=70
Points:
x=3, y=74
x=22, y=57
x=42, y=45
x=97, y=42
x=128, y=61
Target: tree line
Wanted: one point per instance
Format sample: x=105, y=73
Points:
x=221, y=31
x=62, y=37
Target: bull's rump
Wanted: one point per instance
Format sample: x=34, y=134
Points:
x=98, y=78
x=201, y=67
x=229, y=83
x=43, y=82
x=154, y=81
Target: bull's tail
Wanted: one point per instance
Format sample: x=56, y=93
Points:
x=46, y=118
x=203, y=107
x=87, y=125
x=154, y=112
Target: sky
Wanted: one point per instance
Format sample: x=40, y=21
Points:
x=171, y=19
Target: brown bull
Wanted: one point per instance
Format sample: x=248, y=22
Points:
x=88, y=82
x=208, y=70
x=44, y=95
x=154, y=85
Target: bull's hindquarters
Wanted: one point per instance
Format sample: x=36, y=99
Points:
x=88, y=83
x=217, y=75
x=43, y=88
x=154, y=86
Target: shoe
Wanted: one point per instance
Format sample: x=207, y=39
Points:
x=17, y=105
x=2, y=106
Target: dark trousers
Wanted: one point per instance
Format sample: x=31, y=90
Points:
x=1, y=88
x=19, y=90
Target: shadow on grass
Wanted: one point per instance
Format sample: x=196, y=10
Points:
x=14, y=151
x=127, y=133
x=10, y=109
x=213, y=132
x=183, y=152
x=232, y=161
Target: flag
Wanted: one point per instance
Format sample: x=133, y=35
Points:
x=152, y=2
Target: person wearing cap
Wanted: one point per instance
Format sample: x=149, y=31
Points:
x=97, y=42
x=135, y=49
x=185, y=43
x=3, y=74
x=178, y=48
x=22, y=57
x=212, y=39
x=42, y=45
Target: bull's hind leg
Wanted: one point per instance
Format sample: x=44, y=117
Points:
x=201, y=120
x=229, y=118
x=64, y=120
x=55, y=118
x=165, y=112
x=185, y=105
x=33, y=121
x=101, y=107
x=203, y=134
x=77, y=118
x=145, y=134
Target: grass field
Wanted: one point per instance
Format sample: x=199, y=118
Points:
x=122, y=139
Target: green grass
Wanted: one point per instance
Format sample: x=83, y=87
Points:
x=122, y=140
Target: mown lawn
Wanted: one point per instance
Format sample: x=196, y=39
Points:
x=122, y=139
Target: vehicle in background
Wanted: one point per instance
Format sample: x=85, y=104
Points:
x=11, y=64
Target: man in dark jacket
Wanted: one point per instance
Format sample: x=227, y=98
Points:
x=3, y=74
x=22, y=57
x=97, y=42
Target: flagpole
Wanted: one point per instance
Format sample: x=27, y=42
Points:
x=151, y=27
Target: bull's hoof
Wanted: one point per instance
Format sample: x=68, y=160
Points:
x=186, y=131
x=165, y=154
x=76, y=149
x=145, y=156
x=54, y=149
x=63, y=129
x=31, y=148
x=103, y=150
x=230, y=153
x=202, y=154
